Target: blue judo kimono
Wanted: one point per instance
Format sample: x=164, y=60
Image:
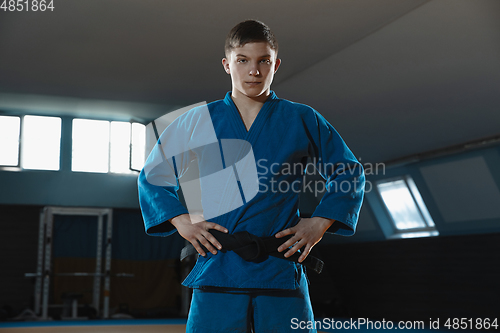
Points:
x=285, y=139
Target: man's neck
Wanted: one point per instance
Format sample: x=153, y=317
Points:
x=248, y=106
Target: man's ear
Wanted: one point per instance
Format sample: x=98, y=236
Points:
x=225, y=64
x=277, y=64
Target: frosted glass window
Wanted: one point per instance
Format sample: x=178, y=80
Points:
x=90, y=145
x=420, y=202
x=10, y=128
x=138, y=146
x=103, y=146
x=41, y=143
x=120, y=147
x=401, y=205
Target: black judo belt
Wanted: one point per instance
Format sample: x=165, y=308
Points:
x=253, y=248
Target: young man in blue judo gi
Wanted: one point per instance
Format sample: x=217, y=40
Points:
x=231, y=292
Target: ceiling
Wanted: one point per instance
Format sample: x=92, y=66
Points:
x=394, y=77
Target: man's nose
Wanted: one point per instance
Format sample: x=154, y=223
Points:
x=254, y=71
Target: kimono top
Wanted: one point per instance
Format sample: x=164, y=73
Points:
x=250, y=181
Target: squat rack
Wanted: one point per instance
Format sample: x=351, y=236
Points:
x=44, y=267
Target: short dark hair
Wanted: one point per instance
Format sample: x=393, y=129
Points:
x=247, y=32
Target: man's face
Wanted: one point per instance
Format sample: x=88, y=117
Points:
x=252, y=69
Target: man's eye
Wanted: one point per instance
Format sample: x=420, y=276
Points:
x=242, y=60
x=265, y=61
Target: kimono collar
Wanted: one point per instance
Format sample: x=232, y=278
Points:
x=253, y=132
x=229, y=101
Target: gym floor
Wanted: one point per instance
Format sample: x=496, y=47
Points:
x=130, y=326
x=109, y=326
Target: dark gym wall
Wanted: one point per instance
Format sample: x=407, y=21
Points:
x=66, y=188
x=411, y=279
x=19, y=247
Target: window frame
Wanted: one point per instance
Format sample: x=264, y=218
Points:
x=73, y=143
x=65, y=140
x=20, y=148
x=427, y=231
x=131, y=146
x=22, y=134
x=19, y=139
x=132, y=171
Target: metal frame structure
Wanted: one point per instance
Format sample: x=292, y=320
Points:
x=44, y=269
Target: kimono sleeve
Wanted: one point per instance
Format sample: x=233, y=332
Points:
x=159, y=203
x=158, y=182
x=344, y=176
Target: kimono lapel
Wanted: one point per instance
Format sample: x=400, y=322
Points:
x=259, y=121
